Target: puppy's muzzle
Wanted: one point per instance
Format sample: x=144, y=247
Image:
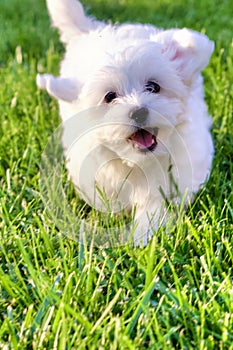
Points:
x=143, y=139
x=139, y=115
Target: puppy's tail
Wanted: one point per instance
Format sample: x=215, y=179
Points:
x=69, y=17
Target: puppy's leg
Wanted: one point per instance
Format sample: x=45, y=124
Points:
x=60, y=88
x=147, y=223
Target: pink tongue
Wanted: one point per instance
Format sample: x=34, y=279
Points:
x=143, y=138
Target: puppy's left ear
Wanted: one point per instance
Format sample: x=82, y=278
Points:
x=60, y=88
x=188, y=50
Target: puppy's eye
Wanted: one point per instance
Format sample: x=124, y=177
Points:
x=152, y=86
x=110, y=96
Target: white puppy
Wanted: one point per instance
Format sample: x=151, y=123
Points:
x=144, y=137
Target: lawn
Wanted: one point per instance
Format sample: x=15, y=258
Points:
x=176, y=293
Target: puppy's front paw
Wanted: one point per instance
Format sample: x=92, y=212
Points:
x=142, y=236
x=60, y=88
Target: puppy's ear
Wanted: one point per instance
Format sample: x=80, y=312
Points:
x=188, y=50
x=69, y=17
x=60, y=88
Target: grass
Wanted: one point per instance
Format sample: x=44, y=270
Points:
x=176, y=293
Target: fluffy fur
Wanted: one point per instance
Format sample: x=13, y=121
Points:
x=143, y=92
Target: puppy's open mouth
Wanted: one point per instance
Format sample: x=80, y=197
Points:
x=144, y=140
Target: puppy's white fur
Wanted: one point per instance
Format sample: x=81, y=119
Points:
x=102, y=58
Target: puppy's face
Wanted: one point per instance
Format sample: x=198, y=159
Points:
x=145, y=99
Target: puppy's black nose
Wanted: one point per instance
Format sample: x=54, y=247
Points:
x=139, y=115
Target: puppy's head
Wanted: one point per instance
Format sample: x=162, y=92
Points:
x=143, y=76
